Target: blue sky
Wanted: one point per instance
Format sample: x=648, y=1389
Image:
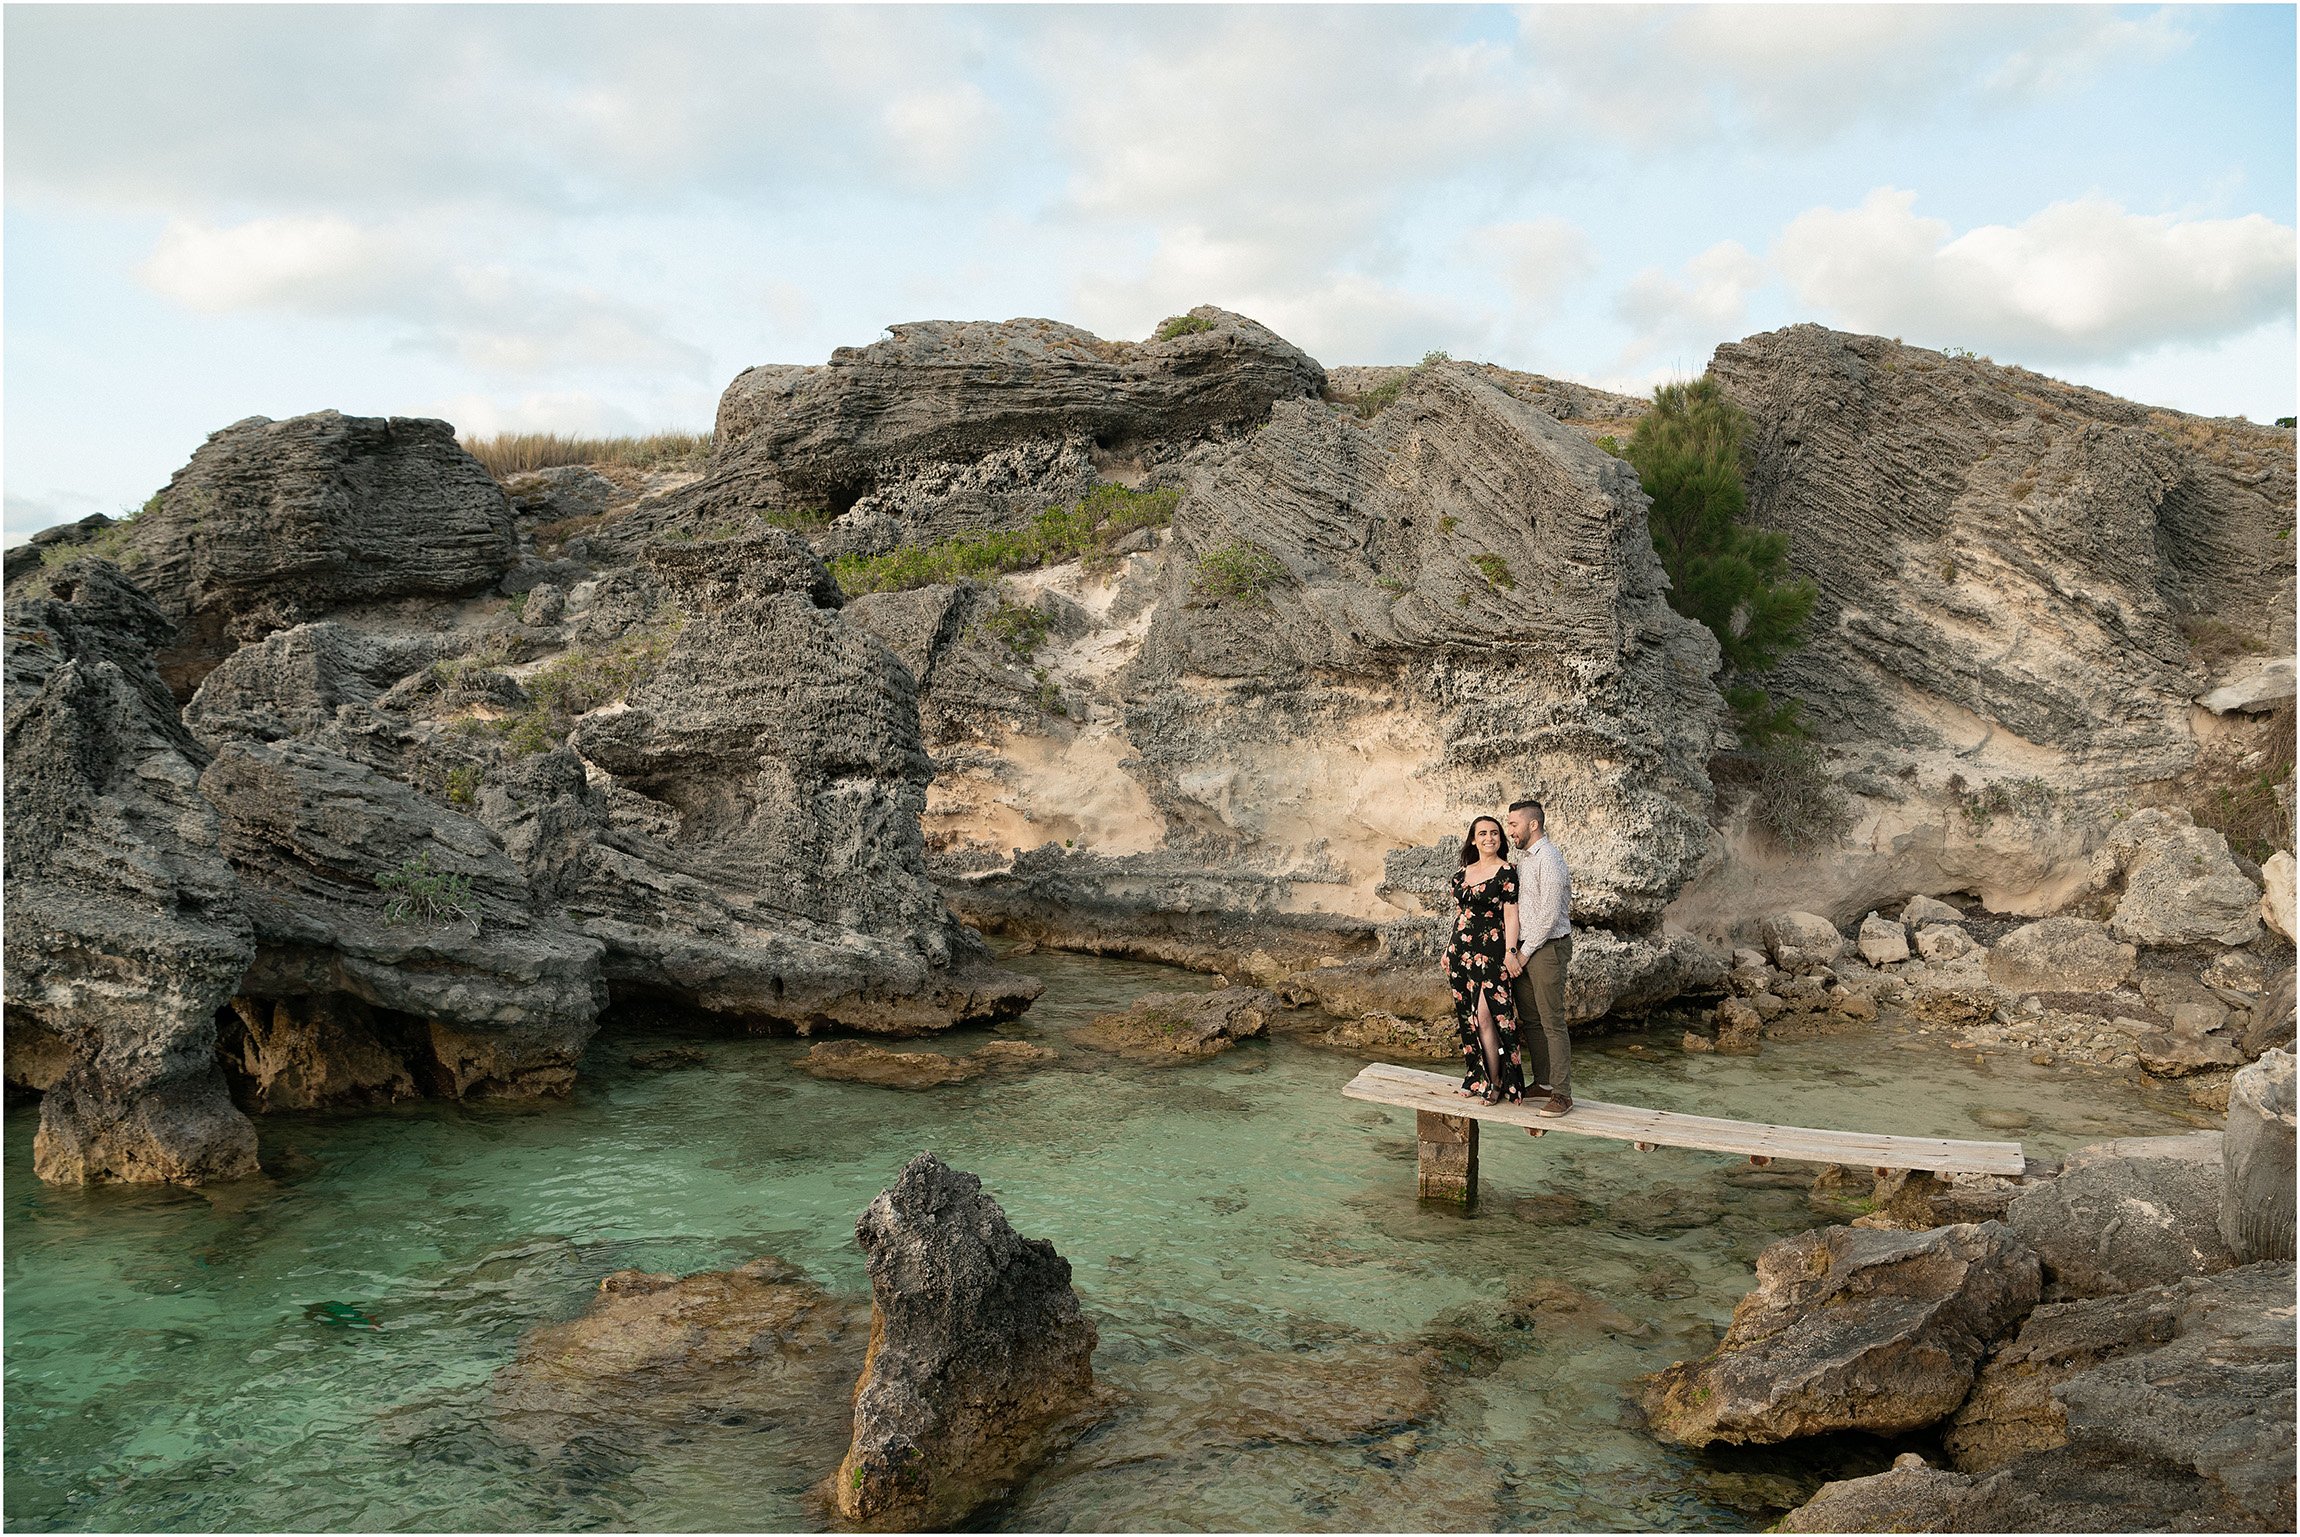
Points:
x=590, y=218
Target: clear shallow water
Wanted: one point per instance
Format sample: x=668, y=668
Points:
x=162, y=1372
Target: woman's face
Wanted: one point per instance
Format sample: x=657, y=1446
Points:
x=1488, y=839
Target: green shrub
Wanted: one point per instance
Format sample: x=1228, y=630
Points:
x=1086, y=528
x=1496, y=571
x=420, y=894
x=1383, y=395
x=515, y=453
x=1181, y=325
x=1435, y=356
x=463, y=785
x=1021, y=626
x=1792, y=799
x=1236, y=572
x=581, y=680
x=2028, y=799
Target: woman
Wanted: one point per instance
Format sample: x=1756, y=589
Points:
x=1484, y=932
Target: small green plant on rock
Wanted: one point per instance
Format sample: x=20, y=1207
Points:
x=1237, y=572
x=1021, y=626
x=463, y=785
x=1496, y=571
x=1181, y=325
x=1086, y=529
x=581, y=680
x=420, y=894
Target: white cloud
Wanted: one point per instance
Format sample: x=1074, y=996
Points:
x=494, y=315
x=1708, y=302
x=2081, y=280
x=1538, y=259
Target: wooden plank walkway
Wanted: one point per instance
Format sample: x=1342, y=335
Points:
x=1432, y=1095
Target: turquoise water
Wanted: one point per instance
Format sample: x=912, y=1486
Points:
x=162, y=1371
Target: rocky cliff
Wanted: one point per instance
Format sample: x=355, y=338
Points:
x=2025, y=587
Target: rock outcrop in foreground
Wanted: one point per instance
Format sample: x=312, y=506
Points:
x=980, y=1361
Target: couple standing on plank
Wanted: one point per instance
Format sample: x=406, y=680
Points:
x=1506, y=960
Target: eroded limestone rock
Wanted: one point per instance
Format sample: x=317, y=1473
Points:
x=2256, y=1201
x=2060, y=955
x=1882, y=941
x=2180, y=885
x=980, y=1361
x=125, y=929
x=2127, y=1214
x=1162, y=1027
x=1850, y=1329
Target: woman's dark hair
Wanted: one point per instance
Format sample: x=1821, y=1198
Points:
x=1469, y=850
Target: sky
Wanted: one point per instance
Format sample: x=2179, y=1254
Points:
x=589, y=218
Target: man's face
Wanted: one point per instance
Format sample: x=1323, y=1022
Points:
x=1521, y=828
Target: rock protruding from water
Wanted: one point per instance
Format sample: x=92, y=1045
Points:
x=2256, y=1202
x=2060, y=955
x=2127, y=1214
x=980, y=1364
x=760, y=1346
x=1171, y=1027
x=273, y=523
x=125, y=928
x=1851, y=1329
x=2168, y=1409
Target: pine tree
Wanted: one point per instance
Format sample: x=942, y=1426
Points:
x=1730, y=576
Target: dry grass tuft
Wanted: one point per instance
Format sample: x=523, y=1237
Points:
x=515, y=453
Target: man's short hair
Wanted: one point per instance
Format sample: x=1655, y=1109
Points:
x=1533, y=806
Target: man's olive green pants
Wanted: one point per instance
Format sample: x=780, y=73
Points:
x=1540, y=993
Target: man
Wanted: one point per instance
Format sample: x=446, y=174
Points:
x=1545, y=948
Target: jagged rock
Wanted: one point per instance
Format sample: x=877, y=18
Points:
x=293, y=683
x=1882, y=941
x=1180, y=1026
x=2180, y=885
x=2127, y=1214
x=759, y=1346
x=498, y=997
x=55, y=545
x=2276, y=898
x=2256, y=1203
x=2174, y=1054
x=2169, y=1409
x=1796, y=940
x=980, y=1361
x=2060, y=955
x=935, y=398
x=125, y=930
x=1850, y=1329
x=1738, y=1026
x=562, y=491
x=2272, y=1018
x=274, y=523
x=2256, y=684
x=1918, y=911
x=741, y=830
x=1943, y=942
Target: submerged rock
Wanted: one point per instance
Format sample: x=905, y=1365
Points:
x=2127, y=1214
x=856, y=1062
x=757, y=1346
x=980, y=1362
x=1172, y=1026
x=125, y=929
x=1850, y=1329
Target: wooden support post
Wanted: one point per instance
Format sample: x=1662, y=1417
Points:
x=1447, y=1168
x=1758, y=1160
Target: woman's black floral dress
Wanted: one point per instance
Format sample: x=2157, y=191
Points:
x=1473, y=958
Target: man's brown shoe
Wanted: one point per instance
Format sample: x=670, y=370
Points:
x=1558, y=1105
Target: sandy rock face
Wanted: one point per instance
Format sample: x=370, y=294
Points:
x=1851, y=1329
x=2127, y=1214
x=273, y=523
x=125, y=929
x=980, y=1361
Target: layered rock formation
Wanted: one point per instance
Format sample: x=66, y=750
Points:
x=125, y=928
x=980, y=1361
x=2016, y=580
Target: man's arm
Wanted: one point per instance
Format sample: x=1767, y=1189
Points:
x=1538, y=906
